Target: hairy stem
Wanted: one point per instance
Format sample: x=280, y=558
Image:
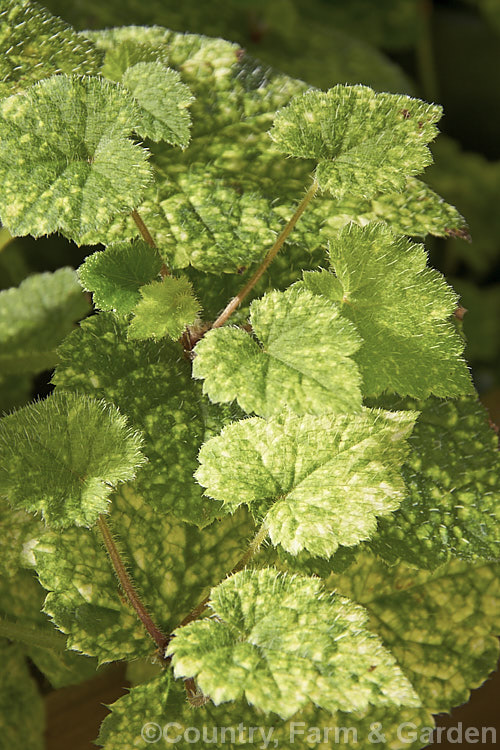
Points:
x=147, y=237
x=236, y=301
x=128, y=587
x=253, y=548
x=16, y=631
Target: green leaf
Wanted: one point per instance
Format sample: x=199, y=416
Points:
x=287, y=370
x=416, y=211
x=115, y=275
x=65, y=160
x=400, y=308
x=212, y=223
x=167, y=307
x=162, y=99
x=316, y=482
x=22, y=715
x=151, y=384
x=35, y=44
x=440, y=626
x=453, y=477
x=281, y=643
x=21, y=529
x=35, y=317
x=237, y=725
x=363, y=142
x=22, y=620
x=137, y=715
x=63, y=457
x=171, y=563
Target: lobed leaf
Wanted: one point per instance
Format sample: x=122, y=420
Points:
x=35, y=44
x=363, y=142
x=151, y=384
x=278, y=641
x=453, y=478
x=167, y=307
x=171, y=563
x=315, y=481
x=285, y=370
x=62, y=457
x=115, y=275
x=66, y=162
x=132, y=716
x=440, y=626
x=35, y=317
x=401, y=309
x=162, y=99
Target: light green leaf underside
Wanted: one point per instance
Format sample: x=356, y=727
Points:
x=281, y=643
x=22, y=715
x=440, y=626
x=62, y=457
x=285, y=370
x=162, y=99
x=66, y=163
x=453, y=478
x=115, y=275
x=34, y=45
x=166, y=308
x=171, y=563
x=401, y=309
x=151, y=384
x=34, y=319
x=132, y=719
x=363, y=142
x=21, y=600
x=316, y=482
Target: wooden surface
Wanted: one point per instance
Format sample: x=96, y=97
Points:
x=75, y=713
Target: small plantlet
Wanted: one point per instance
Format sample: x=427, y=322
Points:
x=264, y=459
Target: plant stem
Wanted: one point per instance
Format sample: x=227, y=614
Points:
x=145, y=233
x=425, y=54
x=236, y=301
x=128, y=587
x=5, y=238
x=16, y=631
x=253, y=548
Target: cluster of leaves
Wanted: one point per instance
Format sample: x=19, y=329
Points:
x=338, y=419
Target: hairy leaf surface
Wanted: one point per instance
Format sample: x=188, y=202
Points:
x=286, y=370
x=363, y=142
x=151, y=384
x=66, y=162
x=35, y=44
x=281, y=643
x=62, y=457
x=166, y=308
x=115, y=275
x=400, y=308
x=171, y=564
x=316, y=482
